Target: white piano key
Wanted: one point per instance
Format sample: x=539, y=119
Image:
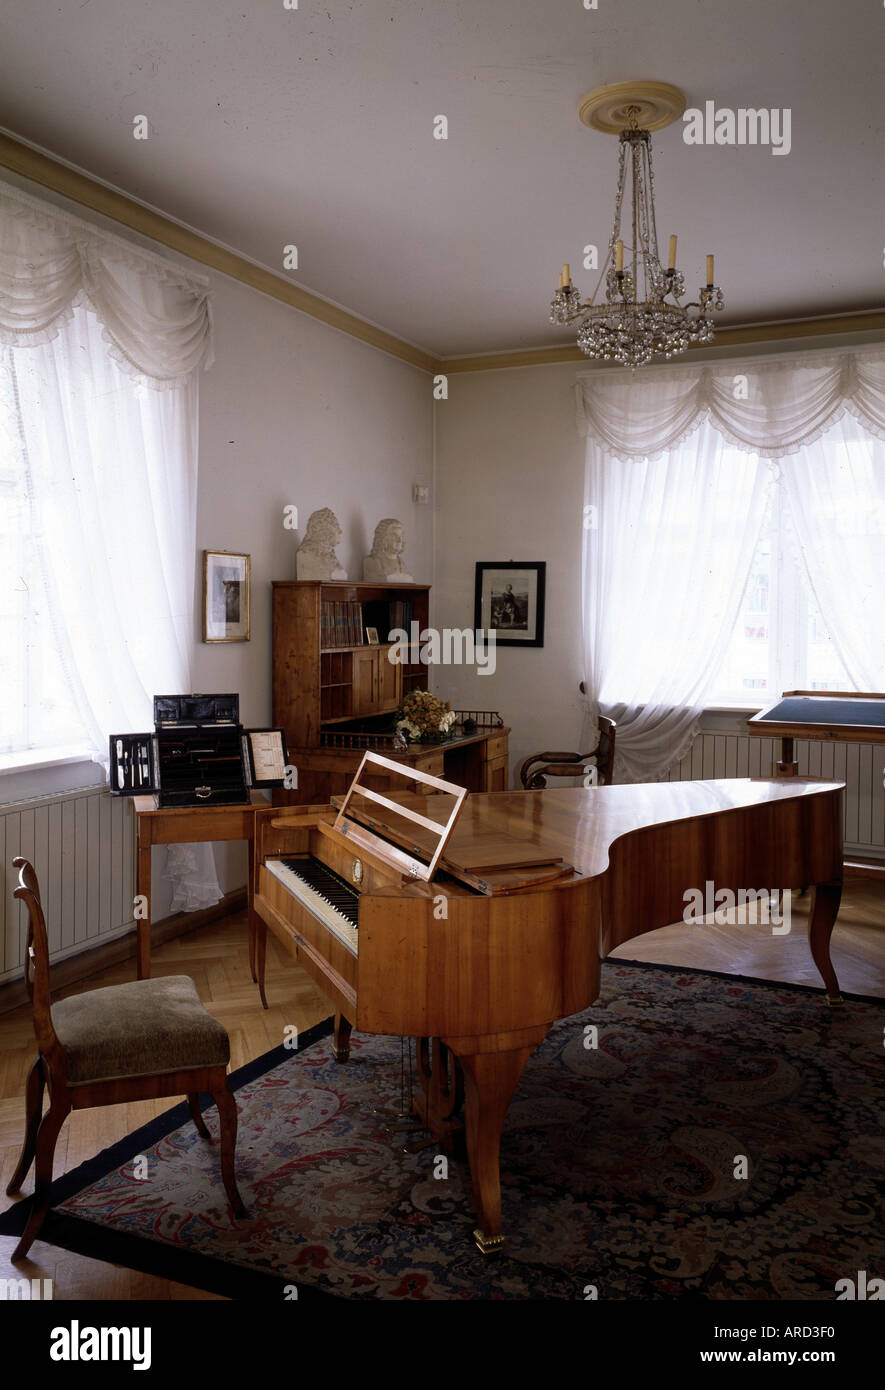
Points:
x=343, y=930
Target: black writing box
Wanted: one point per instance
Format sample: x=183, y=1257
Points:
x=198, y=754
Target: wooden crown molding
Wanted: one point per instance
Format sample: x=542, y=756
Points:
x=43, y=169
x=870, y=321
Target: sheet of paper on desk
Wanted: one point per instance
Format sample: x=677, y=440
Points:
x=267, y=756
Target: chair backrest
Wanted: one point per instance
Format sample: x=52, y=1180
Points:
x=536, y=769
x=605, y=750
x=37, y=959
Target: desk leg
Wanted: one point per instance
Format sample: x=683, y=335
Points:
x=143, y=924
x=827, y=897
x=787, y=767
x=261, y=956
x=250, y=909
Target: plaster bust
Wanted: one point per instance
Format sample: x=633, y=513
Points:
x=315, y=557
x=385, y=564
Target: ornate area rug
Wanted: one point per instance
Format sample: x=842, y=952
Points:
x=618, y=1163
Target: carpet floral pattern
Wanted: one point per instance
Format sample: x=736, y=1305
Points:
x=618, y=1161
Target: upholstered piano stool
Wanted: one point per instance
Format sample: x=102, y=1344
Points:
x=127, y=1042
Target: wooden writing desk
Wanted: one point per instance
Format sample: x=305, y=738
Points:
x=183, y=825
x=841, y=716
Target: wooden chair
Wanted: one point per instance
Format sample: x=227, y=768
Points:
x=128, y=1042
x=535, y=770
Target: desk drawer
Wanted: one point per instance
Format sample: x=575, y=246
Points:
x=434, y=765
x=496, y=747
x=497, y=775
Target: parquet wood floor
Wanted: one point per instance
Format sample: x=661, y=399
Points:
x=217, y=958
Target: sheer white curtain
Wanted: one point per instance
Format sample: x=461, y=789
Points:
x=677, y=473
x=101, y=345
x=664, y=572
x=836, y=492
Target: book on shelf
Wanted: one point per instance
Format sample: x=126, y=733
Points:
x=341, y=623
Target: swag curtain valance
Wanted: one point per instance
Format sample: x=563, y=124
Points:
x=771, y=406
x=156, y=319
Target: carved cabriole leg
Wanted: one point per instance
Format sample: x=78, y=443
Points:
x=341, y=1042
x=196, y=1116
x=827, y=897
x=489, y=1082
x=227, y=1115
x=47, y=1134
x=33, y=1115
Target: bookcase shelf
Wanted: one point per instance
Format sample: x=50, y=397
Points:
x=318, y=688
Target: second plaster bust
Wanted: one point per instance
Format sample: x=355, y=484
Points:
x=385, y=564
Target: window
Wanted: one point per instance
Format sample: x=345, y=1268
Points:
x=780, y=641
x=36, y=711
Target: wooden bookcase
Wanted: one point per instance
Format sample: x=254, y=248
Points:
x=330, y=696
x=316, y=685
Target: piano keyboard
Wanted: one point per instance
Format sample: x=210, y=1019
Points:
x=326, y=896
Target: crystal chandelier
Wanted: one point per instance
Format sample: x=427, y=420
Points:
x=642, y=315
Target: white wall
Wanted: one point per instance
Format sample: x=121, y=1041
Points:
x=510, y=484
x=294, y=412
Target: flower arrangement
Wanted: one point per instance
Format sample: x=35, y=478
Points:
x=424, y=718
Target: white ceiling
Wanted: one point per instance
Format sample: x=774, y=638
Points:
x=315, y=127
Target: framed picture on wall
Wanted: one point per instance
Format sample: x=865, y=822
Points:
x=510, y=601
x=226, y=596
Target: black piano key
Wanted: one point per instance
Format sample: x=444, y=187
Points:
x=328, y=885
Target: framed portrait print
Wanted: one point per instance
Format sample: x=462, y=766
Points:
x=226, y=596
x=510, y=601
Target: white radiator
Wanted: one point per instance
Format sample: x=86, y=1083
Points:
x=82, y=846
x=860, y=765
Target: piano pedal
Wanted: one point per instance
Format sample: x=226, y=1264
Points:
x=416, y=1146
x=396, y=1121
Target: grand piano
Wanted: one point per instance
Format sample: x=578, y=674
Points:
x=473, y=924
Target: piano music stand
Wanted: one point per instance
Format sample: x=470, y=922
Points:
x=415, y=868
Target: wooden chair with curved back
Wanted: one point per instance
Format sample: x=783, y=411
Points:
x=128, y=1042
x=535, y=770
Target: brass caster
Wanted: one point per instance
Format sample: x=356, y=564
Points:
x=835, y=1001
x=487, y=1245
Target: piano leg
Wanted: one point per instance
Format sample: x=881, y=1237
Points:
x=341, y=1043
x=489, y=1082
x=827, y=897
x=261, y=956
